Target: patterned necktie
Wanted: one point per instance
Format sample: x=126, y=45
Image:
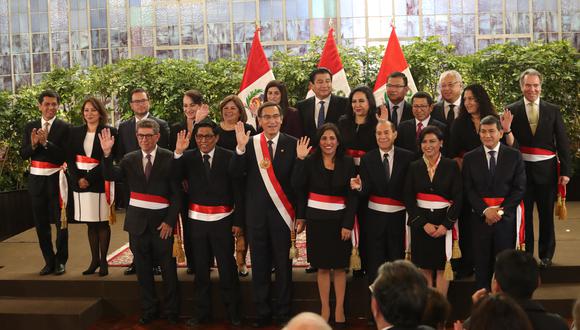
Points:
x=148, y=167
x=206, y=164
x=534, y=117
x=320, y=121
x=270, y=149
x=394, y=115
x=492, y=162
x=419, y=129
x=386, y=164
x=450, y=115
x=46, y=127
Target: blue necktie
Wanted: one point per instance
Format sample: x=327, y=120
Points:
x=320, y=115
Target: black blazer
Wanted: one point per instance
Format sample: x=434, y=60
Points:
x=357, y=137
x=55, y=152
x=336, y=108
x=257, y=197
x=407, y=136
x=407, y=112
x=176, y=128
x=127, y=140
x=508, y=182
x=372, y=173
x=219, y=189
x=550, y=134
x=161, y=183
x=309, y=176
x=76, y=147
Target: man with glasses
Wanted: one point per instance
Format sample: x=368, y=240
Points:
x=398, y=109
x=409, y=130
x=140, y=104
x=450, y=86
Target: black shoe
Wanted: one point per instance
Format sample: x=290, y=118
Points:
x=236, y=321
x=148, y=318
x=340, y=325
x=196, y=321
x=92, y=268
x=104, y=270
x=310, y=270
x=131, y=270
x=59, y=269
x=190, y=271
x=545, y=263
x=261, y=322
x=243, y=273
x=46, y=270
x=156, y=270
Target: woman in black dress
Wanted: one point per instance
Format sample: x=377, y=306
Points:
x=328, y=205
x=276, y=92
x=433, y=196
x=232, y=110
x=92, y=204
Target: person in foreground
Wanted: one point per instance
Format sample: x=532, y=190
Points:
x=399, y=296
x=151, y=213
x=307, y=321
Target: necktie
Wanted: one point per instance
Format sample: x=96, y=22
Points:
x=492, y=162
x=320, y=115
x=206, y=164
x=148, y=167
x=534, y=117
x=386, y=164
x=394, y=115
x=450, y=115
x=419, y=129
x=46, y=127
x=270, y=149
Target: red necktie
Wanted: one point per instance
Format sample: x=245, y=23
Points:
x=419, y=129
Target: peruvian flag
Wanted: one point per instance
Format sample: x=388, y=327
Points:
x=393, y=60
x=330, y=59
x=256, y=76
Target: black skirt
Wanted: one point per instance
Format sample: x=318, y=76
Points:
x=325, y=248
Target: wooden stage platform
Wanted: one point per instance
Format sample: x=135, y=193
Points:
x=74, y=301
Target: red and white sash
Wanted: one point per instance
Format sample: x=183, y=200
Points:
x=43, y=168
x=272, y=184
x=326, y=202
x=432, y=201
x=86, y=163
x=385, y=204
x=520, y=220
x=356, y=155
x=209, y=213
x=146, y=201
x=530, y=154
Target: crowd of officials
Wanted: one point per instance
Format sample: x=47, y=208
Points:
x=448, y=185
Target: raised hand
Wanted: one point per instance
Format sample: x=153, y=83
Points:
x=356, y=183
x=34, y=138
x=242, y=137
x=182, y=142
x=201, y=113
x=302, y=148
x=506, y=120
x=383, y=113
x=42, y=136
x=107, y=141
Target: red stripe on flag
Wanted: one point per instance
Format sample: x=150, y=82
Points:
x=330, y=58
x=257, y=64
x=393, y=60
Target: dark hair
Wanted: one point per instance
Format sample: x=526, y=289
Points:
x=430, y=129
x=148, y=123
x=137, y=90
x=400, y=291
x=482, y=99
x=98, y=105
x=283, y=94
x=321, y=70
x=422, y=95
x=206, y=122
x=491, y=120
x=340, y=150
x=371, y=114
x=437, y=311
x=397, y=74
x=269, y=104
x=195, y=96
x=239, y=104
x=48, y=93
x=517, y=273
x=382, y=121
x=498, y=312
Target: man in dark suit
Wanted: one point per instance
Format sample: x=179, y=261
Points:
x=494, y=182
x=151, y=213
x=450, y=85
x=267, y=160
x=399, y=296
x=323, y=107
x=538, y=127
x=139, y=102
x=409, y=130
x=398, y=109
x=214, y=198
x=44, y=142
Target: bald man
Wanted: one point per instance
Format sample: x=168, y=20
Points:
x=307, y=321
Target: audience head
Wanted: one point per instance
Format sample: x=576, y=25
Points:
x=490, y=131
x=139, y=102
x=321, y=82
x=206, y=134
x=475, y=102
x=422, y=104
x=270, y=118
x=361, y=102
x=192, y=100
x=277, y=92
x=385, y=133
x=531, y=84
x=307, y=321
x=516, y=274
x=576, y=315
x=399, y=295
x=93, y=112
x=232, y=109
x=397, y=87
x=498, y=312
x=450, y=85
x=48, y=102
x=329, y=141
x=430, y=141
x=147, y=134
x=437, y=311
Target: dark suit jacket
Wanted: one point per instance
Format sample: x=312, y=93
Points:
x=76, y=147
x=540, y=318
x=439, y=113
x=257, y=197
x=219, y=189
x=55, y=152
x=336, y=108
x=508, y=182
x=161, y=183
x=407, y=136
x=127, y=140
x=372, y=173
x=550, y=134
x=357, y=137
x=407, y=112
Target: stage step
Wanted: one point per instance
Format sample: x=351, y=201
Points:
x=49, y=313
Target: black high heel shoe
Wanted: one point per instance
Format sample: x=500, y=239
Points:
x=104, y=269
x=92, y=268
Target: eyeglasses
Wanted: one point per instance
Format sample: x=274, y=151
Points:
x=396, y=86
x=422, y=106
x=145, y=136
x=204, y=137
x=140, y=101
x=449, y=85
x=269, y=117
